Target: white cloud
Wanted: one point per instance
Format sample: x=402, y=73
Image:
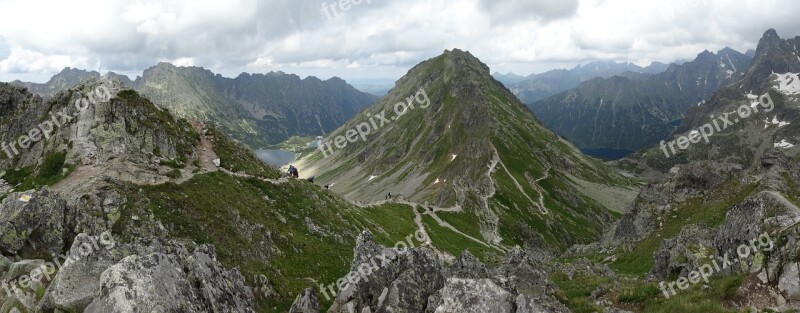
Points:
x=380, y=38
x=21, y=61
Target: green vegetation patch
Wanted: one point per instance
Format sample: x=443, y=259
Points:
x=638, y=296
x=47, y=173
x=390, y=223
x=455, y=243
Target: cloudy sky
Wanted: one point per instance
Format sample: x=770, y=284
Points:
x=373, y=38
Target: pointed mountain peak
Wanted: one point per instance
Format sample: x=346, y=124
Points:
x=768, y=41
x=74, y=71
x=464, y=60
x=727, y=50
x=165, y=65
x=770, y=34
x=705, y=53
x=773, y=55
x=458, y=53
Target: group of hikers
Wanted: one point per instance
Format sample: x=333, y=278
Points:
x=294, y=173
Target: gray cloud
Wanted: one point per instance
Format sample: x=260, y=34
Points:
x=517, y=10
x=380, y=38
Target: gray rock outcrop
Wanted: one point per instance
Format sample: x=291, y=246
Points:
x=414, y=280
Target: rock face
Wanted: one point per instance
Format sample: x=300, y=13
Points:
x=471, y=295
x=415, y=281
x=393, y=279
x=77, y=282
x=697, y=245
x=99, y=274
x=789, y=281
x=34, y=223
x=659, y=198
x=684, y=253
x=171, y=283
x=306, y=302
x=108, y=123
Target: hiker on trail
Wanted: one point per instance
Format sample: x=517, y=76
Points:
x=295, y=173
x=291, y=170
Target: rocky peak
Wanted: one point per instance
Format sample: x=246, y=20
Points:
x=773, y=55
x=464, y=60
x=770, y=35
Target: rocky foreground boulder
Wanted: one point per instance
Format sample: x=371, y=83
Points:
x=415, y=280
x=160, y=282
x=34, y=223
x=45, y=268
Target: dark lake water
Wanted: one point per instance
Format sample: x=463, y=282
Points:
x=275, y=158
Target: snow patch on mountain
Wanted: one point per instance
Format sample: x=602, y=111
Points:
x=789, y=83
x=783, y=144
x=775, y=121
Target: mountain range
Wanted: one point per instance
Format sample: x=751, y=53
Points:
x=628, y=114
x=258, y=109
x=535, y=87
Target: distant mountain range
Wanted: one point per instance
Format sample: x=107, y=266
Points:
x=509, y=78
x=608, y=115
x=774, y=71
x=535, y=87
x=258, y=109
